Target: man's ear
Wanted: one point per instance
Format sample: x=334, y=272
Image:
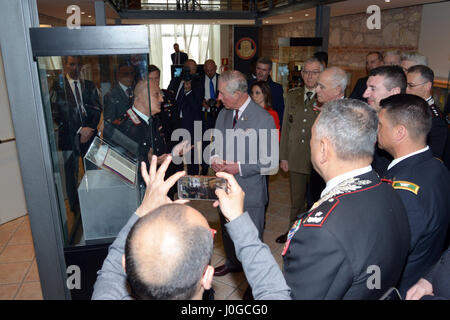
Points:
x=395, y=91
x=324, y=148
x=400, y=132
x=123, y=263
x=207, y=277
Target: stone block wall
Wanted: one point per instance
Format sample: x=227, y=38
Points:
x=350, y=39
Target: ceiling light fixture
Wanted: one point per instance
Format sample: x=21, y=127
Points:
x=291, y=18
x=89, y=16
x=306, y=14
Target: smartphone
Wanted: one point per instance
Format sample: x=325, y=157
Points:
x=200, y=187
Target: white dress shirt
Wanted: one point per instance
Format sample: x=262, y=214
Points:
x=395, y=161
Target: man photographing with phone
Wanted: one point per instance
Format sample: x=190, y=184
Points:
x=164, y=250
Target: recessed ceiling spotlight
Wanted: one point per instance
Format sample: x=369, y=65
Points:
x=89, y=16
x=83, y=12
x=306, y=14
x=266, y=21
x=387, y=0
x=291, y=18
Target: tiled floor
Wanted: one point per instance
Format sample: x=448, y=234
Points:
x=19, y=278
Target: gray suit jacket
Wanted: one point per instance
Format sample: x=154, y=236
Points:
x=257, y=158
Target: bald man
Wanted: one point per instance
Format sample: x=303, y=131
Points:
x=166, y=247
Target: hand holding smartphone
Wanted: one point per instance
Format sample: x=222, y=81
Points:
x=200, y=187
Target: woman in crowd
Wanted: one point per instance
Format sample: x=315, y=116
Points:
x=260, y=93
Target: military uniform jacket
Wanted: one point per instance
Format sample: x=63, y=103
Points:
x=437, y=137
x=422, y=182
x=357, y=227
x=146, y=135
x=296, y=132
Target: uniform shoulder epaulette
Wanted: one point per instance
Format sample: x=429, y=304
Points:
x=435, y=112
x=133, y=116
x=294, y=89
x=406, y=185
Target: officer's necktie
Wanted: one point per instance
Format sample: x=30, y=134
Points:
x=308, y=97
x=130, y=95
x=212, y=93
x=235, y=119
x=79, y=103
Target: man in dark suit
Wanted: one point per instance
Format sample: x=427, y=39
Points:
x=383, y=82
x=120, y=98
x=187, y=90
x=420, y=81
x=421, y=181
x=263, y=69
x=373, y=60
x=242, y=117
x=178, y=57
x=211, y=103
x=353, y=243
x=77, y=106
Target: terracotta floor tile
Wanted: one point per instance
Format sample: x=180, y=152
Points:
x=222, y=291
x=8, y=291
x=30, y=291
x=13, y=272
x=22, y=235
x=236, y=295
x=17, y=253
x=232, y=279
x=33, y=273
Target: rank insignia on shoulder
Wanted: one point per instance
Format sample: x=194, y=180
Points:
x=406, y=185
x=291, y=233
x=133, y=116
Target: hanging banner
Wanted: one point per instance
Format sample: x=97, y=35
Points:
x=246, y=47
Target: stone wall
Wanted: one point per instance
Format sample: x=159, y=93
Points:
x=350, y=39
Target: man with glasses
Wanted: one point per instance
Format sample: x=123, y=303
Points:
x=373, y=60
x=420, y=81
x=295, y=153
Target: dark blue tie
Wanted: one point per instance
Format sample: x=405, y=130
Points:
x=212, y=93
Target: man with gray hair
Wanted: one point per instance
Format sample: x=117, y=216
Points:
x=295, y=155
x=331, y=85
x=353, y=243
x=410, y=59
x=392, y=58
x=243, y=118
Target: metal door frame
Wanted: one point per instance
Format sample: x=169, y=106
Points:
x=19, y=45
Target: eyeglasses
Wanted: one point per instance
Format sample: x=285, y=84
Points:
x=310, y=72
x=412, y=85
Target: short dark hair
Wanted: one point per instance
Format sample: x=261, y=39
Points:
x=322, y=56
x=265, y=60
x=168, y=279
x=265, y=90
x=394, y=77
x=425, y=72
x=378, y=53
x=410, y=111
x=152, y=68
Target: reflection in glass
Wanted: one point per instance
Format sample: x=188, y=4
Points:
x=78, y=92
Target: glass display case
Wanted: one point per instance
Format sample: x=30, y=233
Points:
x=94, y=163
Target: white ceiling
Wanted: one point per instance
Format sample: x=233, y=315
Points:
x=57, y=9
